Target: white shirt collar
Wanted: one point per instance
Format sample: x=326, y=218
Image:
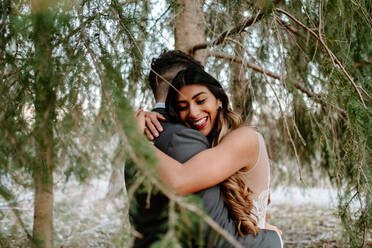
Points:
x=160, y=105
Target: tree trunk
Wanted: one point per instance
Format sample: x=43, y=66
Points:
x=43, y=169
x=44, y=89
x=189, y=27
x=43, y=210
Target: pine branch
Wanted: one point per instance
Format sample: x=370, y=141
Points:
x=135, y=45
x=8, y=196
x=330, y=53
x=76, y=30
x=299, y=86
x=222, y=37
x=170, y=235
x=132, y=40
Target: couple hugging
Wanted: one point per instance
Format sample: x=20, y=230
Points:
x=203, y=148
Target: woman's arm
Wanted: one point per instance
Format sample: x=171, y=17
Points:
x=238, y=149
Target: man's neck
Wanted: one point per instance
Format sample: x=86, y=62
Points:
x=160, y=105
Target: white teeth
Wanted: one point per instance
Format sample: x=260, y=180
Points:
x=201, y=121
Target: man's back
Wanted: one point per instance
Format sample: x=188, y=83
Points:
x=181, y=143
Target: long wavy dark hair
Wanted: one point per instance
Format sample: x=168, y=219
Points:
x=236, y=192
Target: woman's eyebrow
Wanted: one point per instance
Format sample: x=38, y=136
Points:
x=202, y=92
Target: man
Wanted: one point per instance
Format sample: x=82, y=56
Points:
x=182, y=143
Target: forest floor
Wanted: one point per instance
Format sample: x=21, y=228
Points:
x=307, y=217
x=307, y=225
x=85, y=219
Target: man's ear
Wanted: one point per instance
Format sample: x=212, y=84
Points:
x=157, y=80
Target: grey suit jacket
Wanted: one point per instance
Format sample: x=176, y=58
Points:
x=182, y=143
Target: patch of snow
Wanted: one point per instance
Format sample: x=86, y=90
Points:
x=324, y=197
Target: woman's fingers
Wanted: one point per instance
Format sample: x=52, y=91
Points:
x=148, y=122
x=139, y=111
x=279, y=231
x=149, y=134
x=160, y=116
x=153, y=124
x=155, y=117
x=151, y=127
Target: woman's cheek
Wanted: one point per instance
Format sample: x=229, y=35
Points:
x=182, y=116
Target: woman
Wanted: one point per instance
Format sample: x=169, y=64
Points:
x=238, y=156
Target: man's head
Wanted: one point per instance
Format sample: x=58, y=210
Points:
x=167, y=65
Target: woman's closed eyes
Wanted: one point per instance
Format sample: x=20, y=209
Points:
x=183, y=106
x=201, y=101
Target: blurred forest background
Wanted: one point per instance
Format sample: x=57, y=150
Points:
x=73, y=72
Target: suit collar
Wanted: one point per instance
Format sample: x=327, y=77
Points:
x=162, y=111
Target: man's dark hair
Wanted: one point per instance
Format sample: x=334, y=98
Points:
x=169, y=60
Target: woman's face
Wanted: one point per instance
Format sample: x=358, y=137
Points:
x=198, y=107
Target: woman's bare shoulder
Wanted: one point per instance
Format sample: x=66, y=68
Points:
x=244, y=133
x=242, y=138
x=244, y=143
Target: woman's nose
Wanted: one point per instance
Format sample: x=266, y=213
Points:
x=194, y=111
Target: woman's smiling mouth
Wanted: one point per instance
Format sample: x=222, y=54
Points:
x=201, y=123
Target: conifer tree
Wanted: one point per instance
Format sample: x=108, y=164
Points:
x=309, y=60
x=72, y=73
x=64, y=100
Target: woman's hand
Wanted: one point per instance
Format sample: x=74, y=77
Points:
x=148, y=122
x=274, y=228
x=141, y=120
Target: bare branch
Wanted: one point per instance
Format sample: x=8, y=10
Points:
x=134, y=187
x=330, y=53
x=129, y=1
x=365, y=92
x=287, y=26
x=240, y=61
x=362, y=209
x=362, y=63
x=12, y=203
x=11, y=73
x=222, y=37
x=299, y=86
x=19, y=219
